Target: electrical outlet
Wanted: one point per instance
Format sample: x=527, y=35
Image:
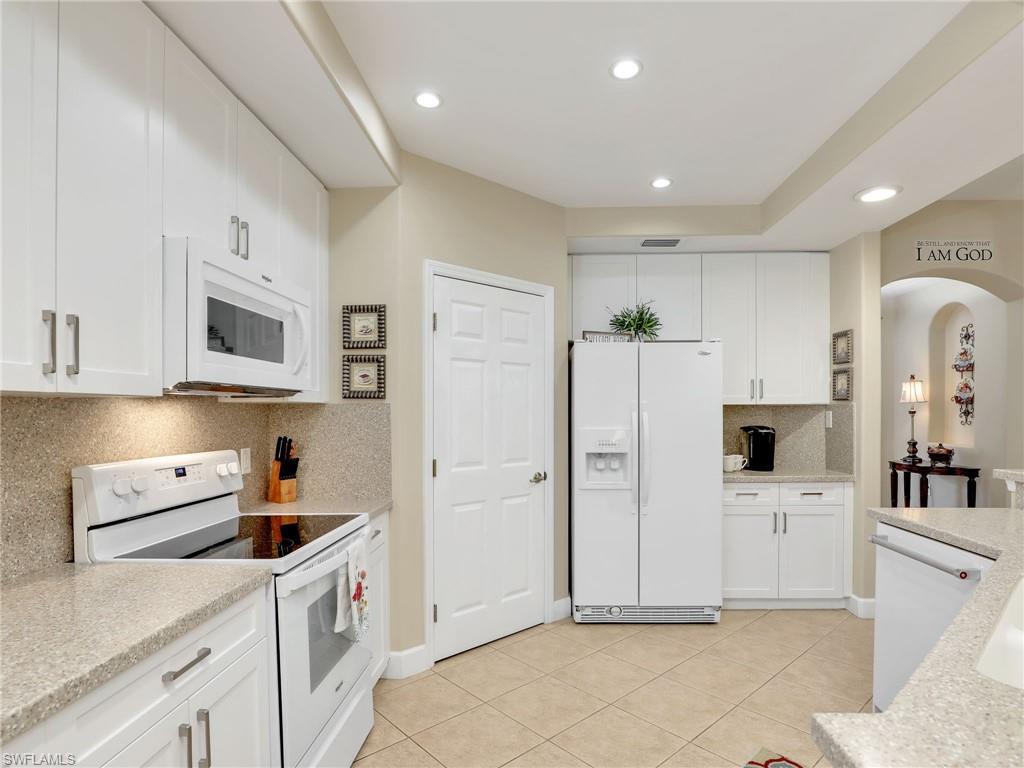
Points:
x=828, y=419
x=245, y=456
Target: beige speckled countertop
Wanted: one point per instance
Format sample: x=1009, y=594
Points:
x=948, y=714
x=317, y=506
x=788, y=475
x=68, y=629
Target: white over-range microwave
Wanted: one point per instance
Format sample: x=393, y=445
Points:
x=230, y=328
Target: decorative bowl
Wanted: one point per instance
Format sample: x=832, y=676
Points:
x=940, y=454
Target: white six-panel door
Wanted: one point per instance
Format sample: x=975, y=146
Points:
x=489, y=542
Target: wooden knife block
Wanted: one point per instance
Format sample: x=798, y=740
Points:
x=281, y=491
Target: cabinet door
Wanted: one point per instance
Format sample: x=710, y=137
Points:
x=811, y=552
x=729, y=296
x=165, y=745
x=230, y=715
x=27, y=281
x=792, y=328
x=109, y=189
x=600, y=282
x=262, y=161
x=200, y=151
x=672, y=282
x=750, y=552
x=377, y=637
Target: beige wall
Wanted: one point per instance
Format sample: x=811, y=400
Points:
x=1001, y=221
x=855, y=288
x=379, y=241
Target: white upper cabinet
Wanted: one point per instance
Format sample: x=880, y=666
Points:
x=793, y=351
x=27, y=261
x=671, y=281
x=109, y=199
x=200, y=151
x=600, y=283
x=729, y=298
x=262, y=165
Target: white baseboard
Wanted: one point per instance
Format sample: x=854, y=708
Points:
x=409, y=662
x=747, y=604
x=561, y=609
x=861, y=607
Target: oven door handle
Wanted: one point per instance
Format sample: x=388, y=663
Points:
x=295, y=581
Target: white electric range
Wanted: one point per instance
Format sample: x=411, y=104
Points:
x=184, y=509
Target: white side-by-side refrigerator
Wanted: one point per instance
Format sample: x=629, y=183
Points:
x=646, y=506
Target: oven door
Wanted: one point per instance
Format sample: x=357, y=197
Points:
x=318, y=666
x=244, y=327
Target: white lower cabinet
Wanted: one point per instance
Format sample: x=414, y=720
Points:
x=790, y=543
x=168, y=744
x=378, y=636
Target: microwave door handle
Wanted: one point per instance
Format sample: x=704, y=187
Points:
x=304, y=350
x=293, y=582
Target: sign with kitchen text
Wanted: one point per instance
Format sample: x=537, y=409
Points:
x=952, y=251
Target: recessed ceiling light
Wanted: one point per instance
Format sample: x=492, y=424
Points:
x=428, y=100
x=661, y=182
x=877, y=194
x=626, y=69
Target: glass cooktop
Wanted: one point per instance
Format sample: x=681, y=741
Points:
x=259, y=537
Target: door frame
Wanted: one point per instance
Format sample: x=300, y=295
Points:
x=432, y=269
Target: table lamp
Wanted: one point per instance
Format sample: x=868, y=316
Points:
x=912, y=392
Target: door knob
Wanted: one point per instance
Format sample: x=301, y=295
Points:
x=539, y=477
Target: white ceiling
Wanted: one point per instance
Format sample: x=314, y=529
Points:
x=255, y=49
x=733, y=97
x=1004, y=183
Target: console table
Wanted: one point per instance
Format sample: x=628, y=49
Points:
x=925, y=469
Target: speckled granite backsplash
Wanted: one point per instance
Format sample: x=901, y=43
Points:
x=345, y=450
x=801, y=440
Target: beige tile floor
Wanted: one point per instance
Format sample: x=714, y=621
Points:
x=629, y=695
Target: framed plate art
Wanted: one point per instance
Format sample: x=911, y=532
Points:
x=842, y=384
x=842, y=347
x=362, y=377
x=364, y=326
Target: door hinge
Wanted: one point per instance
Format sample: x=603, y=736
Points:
x=435, y=613
x=435, y=321
x=433, y=468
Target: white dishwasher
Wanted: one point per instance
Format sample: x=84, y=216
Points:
x=920, y=586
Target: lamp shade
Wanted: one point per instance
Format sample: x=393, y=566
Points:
x=912, y=391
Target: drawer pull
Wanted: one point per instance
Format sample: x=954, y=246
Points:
x=377, y=532
x=170, y=677
x=812, y=493
x=746, y=493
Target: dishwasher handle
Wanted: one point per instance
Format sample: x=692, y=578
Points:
x=964, y=574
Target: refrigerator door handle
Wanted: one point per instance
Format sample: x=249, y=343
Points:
x=645, y=459
x=632, y=466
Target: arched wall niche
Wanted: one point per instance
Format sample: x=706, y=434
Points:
x=943, y=345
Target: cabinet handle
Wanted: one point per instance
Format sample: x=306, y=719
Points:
x=72, y=368
x=751, y=389
x=170, y=677
x=775, y=522
x=49, y=316
x=812, y=493
x=233, y=235
x=746, y=493
x=203, y=716
x=377, y=532
x=185, y=730
x=244, y=250
x=785, y=521
x=760, y=385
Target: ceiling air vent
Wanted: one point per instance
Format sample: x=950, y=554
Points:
x=663, y=243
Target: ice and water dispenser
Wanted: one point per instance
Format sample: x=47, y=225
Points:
x=606, y=458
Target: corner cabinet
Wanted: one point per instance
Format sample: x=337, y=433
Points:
x=771, y=312
x=787, y=541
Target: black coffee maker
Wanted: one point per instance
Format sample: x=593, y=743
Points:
x=759, y=448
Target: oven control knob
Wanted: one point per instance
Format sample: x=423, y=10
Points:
x=222, y=470
x=122, y=486
x=140, y=484
x=233, y=467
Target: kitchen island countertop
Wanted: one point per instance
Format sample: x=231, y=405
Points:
x=68, y=629
x=948, y=713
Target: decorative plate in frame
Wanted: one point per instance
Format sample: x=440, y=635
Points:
x=606, y=336
x=842, y=384
x=842, y=347
x=362, y=377
x=364, y=326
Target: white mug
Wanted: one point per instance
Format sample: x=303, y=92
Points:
x=733, y=462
